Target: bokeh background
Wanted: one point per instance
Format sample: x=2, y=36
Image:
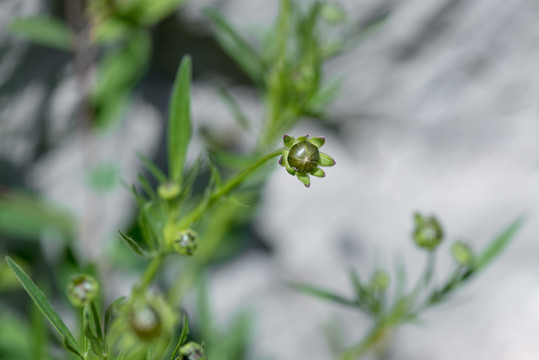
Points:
x=438, y=113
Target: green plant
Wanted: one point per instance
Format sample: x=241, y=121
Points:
x=388, y=310
x=142, y=325
x=177, y=221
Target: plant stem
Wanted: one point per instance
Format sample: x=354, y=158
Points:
x=150, y=273
x=226, y=188
x=374, y=337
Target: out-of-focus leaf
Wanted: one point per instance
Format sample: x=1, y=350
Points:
x=365, y=31
x=45, y=307
x=108, y=313
x=323, y=294
x=39, y=333
x=234, y=108
x=497, y=245
x=118, y=73
x=147, y=187
x=152, y=168
x=109, y=29
x=28, y=217
x=179, y=121
x=236, y=46
x=43, y=30
x=15, y=337
x=103, y=177
x=156, y=10
x=323, y=96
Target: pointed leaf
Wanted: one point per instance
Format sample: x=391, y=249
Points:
x=45, y=307
x=326, y=160
x=179, y=121
x=318, y=173
x=234, y=108
x=183, y=336
x=108, y=312
x=133, y=245
x=236, y=46
x=497, y=245
x=304, y=178
x=43, y=30
x=147, y=187
x=152, y=168
x=322, y=294
x=288, y=141
x=318, y=141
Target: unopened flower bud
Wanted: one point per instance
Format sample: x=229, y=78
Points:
x=192, y=351
x=82, y=290
x=145, y=323
x=462, y=253
x=168, y=191
x=428, y=233
x=333, y=13
x=185, y=242
x=380, y=280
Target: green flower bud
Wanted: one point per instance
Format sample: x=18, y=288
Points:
x=185, y=242
x=333, y=13
x=302, y=158
x=380, y=280
x=82, y=290
x=168, y=191
x=428, y=233
x=462, y=253
x=192, y=351
x=145, y=323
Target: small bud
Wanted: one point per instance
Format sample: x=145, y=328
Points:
x=302, y=158
x=462, y=253
x=82, y=290
x=185, y=242
x=192, y=351
x=168, y=191
x=428, y=233
x=333, y=13
x=380, y=280
x=145, y=323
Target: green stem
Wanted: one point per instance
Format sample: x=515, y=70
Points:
x=150, y=273
x=424, y=280
x=376, y=336
x=226, y=188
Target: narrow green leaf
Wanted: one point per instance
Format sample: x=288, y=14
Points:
x=43, y=30
x=497, y=245
x=234, y=108
x=179, y=121
x=236, y=46
x=133, y=245
x=147, y=187
x=183, y=336
x=45, y=307
x=118, y=73
x=108, y=312
x=364, y=32
x=323, y=294
x=90, y=328
x=152, y=168
x=27, y=216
